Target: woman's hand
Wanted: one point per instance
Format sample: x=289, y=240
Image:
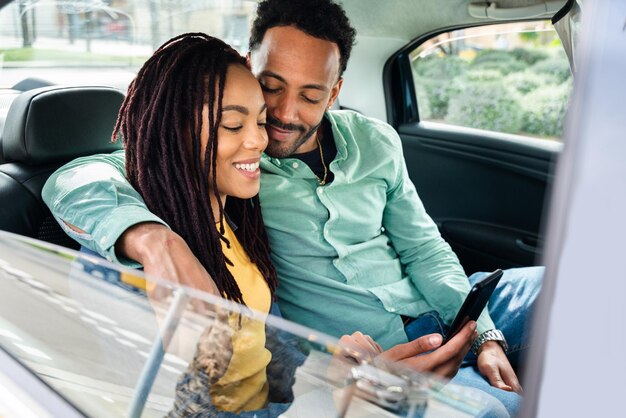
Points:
x=359, y=347
x=165, y=255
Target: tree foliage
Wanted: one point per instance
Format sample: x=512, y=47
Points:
x=524, y=90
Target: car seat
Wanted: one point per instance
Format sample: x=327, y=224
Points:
x=44, y=129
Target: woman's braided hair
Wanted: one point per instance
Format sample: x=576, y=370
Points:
x=159, y=124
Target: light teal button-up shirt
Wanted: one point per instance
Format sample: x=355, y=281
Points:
x=351, y=255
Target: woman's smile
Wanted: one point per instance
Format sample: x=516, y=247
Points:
x=249, y=168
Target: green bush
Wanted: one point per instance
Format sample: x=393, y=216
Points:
x=556, y=68
x=497, y=60
x=545, y=109
x=438, y=91
x=529, y=55
x=525, y=82
x=481, y=75
x=486, y=105
x=504, y=66
x=433, y=66
x=492, y=55
x=524, y=90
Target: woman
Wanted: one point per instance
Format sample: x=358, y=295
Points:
x=193, y=126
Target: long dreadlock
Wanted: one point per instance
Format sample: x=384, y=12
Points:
x=161, y=114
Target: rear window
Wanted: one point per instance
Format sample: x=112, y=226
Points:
x=105, y=42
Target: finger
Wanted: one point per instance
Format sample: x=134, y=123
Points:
x=358, y=339
x=495, y=379
x=350, y=340
x=442, y=362
x=350, y=347
x=447, y=360
x=510, y=378
x=462, y=341
x=377, y=348
x=371, y=346
x=413, y=348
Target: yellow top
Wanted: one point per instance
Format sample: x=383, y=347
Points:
x=244, y=385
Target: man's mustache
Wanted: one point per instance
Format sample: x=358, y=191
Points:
x=284, y=126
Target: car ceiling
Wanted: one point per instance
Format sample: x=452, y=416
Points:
x=408, y=19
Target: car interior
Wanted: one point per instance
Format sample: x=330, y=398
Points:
x=486, y=190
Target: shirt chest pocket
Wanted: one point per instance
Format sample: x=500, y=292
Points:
x=358, y=209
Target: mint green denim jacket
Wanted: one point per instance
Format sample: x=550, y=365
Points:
x=352, y=255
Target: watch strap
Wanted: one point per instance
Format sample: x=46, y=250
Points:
x=490, y=335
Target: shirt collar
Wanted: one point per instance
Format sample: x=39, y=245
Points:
x=340, y=141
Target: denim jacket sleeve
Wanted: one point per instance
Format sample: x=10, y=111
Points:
x=93, y=194
x=429, y=261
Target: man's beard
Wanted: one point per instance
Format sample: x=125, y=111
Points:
x=279, y=149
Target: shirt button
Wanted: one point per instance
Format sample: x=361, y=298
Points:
x=392, y=309
x=295, y=165
x=277, y=162
x=320, y=190
x=109, y=258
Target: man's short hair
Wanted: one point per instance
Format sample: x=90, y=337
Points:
x=321, y=19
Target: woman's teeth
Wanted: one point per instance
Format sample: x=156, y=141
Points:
x=247, y=167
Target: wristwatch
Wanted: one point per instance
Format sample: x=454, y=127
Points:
x=490, y=335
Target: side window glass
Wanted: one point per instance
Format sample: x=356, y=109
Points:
x=513, y=78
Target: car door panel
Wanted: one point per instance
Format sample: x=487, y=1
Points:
x=485, y=193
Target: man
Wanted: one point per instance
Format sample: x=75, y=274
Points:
x=352, y=243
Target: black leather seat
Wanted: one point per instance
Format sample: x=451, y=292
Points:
x=44, y=129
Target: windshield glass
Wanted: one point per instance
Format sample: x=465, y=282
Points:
x=87, y=329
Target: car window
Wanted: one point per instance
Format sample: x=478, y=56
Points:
x=76, y=42
x=511, y=78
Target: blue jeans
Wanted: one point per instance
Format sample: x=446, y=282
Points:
x=510, y=308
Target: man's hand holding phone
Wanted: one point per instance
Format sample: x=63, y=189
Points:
x=426, y=354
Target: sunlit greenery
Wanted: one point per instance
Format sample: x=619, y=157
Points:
x=37, y=55
x=522, y=89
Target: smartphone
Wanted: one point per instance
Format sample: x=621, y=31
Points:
x=474, y=303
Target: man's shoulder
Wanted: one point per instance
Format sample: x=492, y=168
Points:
x=364, y=130
x=352, y=118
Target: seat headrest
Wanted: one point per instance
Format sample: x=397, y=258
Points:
x=57, y=124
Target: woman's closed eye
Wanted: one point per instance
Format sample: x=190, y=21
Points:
x=232, y=128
